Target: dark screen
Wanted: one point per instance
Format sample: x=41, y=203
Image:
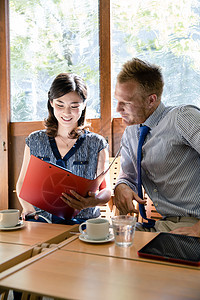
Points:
x=175, y=246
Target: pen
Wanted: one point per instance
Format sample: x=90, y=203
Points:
x=35, y=213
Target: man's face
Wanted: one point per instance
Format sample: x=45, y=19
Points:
x=133, y=104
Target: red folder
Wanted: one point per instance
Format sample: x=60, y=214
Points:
x=44, y=184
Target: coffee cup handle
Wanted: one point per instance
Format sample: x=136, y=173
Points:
x=80, y=228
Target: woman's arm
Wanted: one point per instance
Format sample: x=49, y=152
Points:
x=103, y=162
x=27, y=207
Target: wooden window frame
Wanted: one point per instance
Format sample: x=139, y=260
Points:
x=12, y=135
x=4, y=101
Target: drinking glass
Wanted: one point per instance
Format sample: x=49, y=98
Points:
x=124, y=230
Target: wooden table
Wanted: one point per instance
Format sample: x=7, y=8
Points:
x=19, y=245
x=72, y=275
x=35, y=233
x=73, y=269
x=111, y=250
x=12, y=254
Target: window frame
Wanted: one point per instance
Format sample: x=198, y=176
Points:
x=4, y=101
x=10, y=156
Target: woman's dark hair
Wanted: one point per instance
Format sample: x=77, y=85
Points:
x=63, y=84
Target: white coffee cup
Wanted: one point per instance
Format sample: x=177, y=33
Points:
x=96, y=229
x=9, y=217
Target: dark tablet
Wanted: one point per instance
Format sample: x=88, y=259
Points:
x=173, y=247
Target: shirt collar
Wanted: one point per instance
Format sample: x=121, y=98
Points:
x=156, y=116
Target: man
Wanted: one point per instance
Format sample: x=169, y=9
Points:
x=170, y=167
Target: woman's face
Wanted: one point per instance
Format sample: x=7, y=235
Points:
x=68, y=109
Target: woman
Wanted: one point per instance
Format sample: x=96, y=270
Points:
x=65, y=142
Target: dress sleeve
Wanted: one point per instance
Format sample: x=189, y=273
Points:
x=27, y=140
x=103, y=144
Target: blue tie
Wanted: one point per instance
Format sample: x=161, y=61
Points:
x=143, y=133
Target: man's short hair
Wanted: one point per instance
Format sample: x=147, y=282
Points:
x=148, y=75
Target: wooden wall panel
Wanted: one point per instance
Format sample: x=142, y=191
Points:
x=16, y=156
x=118, y=128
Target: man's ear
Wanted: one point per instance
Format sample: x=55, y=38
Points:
x=152, y=100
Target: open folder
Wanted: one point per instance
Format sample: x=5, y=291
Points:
x=44, y=184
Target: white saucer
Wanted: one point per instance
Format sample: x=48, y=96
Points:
x=84, y=238
x=18, y=226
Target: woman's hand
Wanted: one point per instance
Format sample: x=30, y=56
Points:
x=26, y=213
x=79, y=202
x=92, y=200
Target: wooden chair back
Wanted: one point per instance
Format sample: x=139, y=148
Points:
x=108, y=210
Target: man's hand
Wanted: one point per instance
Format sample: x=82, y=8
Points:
x=124, y=197
x=192, y=230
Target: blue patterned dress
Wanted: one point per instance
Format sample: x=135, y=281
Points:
x=80, y=160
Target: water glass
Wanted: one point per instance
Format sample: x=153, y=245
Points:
x=124, y=230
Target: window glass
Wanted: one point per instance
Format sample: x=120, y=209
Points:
x=166, y=33
x=47, y=38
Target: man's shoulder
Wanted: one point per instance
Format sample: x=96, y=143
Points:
x=182, y=108
x=184, y=111
x=188, y=108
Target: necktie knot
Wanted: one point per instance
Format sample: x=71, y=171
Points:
x=143, y=132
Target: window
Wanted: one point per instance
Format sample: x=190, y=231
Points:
x=46, y=40
x=49, y=37
x=64, y=37
x=166, y=33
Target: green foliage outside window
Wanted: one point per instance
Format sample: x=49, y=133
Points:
x=47, y=38
x=164, y=32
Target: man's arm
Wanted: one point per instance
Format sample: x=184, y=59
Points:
x=189, y=127
x=192, y=231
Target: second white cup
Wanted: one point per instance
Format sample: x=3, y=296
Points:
x=96, y=229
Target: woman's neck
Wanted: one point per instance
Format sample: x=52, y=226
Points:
x=64, y=132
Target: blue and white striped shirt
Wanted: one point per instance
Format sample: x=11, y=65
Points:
x=171, y=160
